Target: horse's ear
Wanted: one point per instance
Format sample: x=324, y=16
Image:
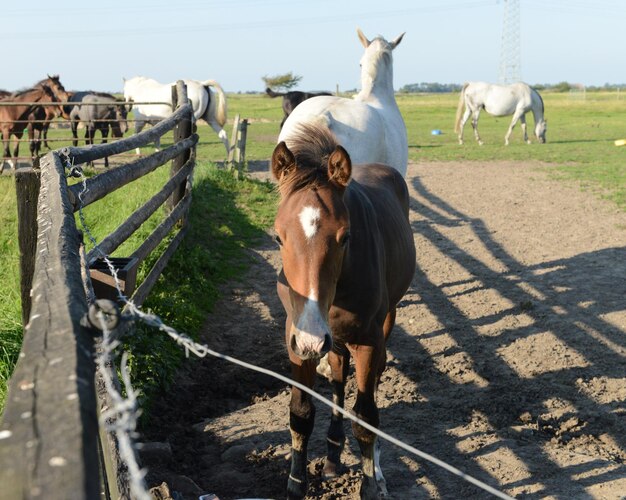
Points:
x=283, y=161
x=396, y=41
x=363, y=38
x=339, y=167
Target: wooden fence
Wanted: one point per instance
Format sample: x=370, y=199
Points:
x=49, y=436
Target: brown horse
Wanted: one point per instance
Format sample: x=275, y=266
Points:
x=292, y=99
x=13, y=119
x=348, y=257
x=42, y=124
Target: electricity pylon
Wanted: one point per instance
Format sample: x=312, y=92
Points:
x=510, y=58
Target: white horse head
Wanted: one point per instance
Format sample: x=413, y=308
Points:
x=540, y=130
x=377, y=63
x=370, y=126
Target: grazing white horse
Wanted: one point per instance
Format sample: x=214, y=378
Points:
x=141, y=89
x=516, y=99
x=370, y=126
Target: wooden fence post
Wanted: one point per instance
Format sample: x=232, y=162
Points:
x=182, y=130
x=27, y=191
x=237, y=153
x=233, y=143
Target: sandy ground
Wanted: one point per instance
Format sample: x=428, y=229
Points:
x=508, y=360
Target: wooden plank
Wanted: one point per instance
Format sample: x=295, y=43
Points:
x=27, y=191
x=48, y=434
x=144, y=138
x=182, y=130
x=139, y=216
x=162, y=229
x=144, y=289
x=101, y=185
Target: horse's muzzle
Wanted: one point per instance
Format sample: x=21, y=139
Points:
x=309, y=346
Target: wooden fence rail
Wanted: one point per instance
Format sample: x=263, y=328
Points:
x=49, y=435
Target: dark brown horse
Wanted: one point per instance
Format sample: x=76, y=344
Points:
x=292, y=99
x=14, y=119
x=348, y=257
x=42, y=124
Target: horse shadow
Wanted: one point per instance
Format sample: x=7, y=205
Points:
x=475, y=395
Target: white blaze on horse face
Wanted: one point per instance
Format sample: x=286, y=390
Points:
x=309, y=218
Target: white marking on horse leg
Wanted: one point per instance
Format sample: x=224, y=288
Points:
x=323, y=368
x=309, y=218
x=378, y=472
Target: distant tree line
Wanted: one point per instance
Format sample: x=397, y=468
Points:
x=434, y=87
x=437, y=87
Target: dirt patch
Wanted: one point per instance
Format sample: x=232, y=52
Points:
x=508, y=360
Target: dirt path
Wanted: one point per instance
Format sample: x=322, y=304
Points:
x=508, y=360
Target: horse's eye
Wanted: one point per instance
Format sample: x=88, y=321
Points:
x=278, y=240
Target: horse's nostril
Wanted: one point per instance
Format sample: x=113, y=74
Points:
x=293, y=343
x=328, y=344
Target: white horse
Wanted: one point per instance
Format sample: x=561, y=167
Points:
x=141, y=89
x=516, y=99
x=370, y=126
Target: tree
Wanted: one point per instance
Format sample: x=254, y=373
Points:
x=278, y=82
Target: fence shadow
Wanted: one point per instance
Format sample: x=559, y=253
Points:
x=511, y=387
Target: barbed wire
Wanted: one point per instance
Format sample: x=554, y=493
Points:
x=126, y=410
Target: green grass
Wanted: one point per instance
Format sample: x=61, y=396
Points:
x=228, y=215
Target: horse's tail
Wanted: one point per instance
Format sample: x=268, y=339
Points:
x=271, y=93
x=459, y=109
x=222, y=108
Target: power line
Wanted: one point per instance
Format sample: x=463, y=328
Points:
x=238, y=25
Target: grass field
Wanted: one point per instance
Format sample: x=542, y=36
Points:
x=228, y=215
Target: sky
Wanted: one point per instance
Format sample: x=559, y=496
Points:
x=238, y=42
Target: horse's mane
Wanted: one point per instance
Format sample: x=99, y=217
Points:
x=311, y=145
x=19, y=93
x=540, y=100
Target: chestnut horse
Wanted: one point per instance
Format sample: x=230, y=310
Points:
x=13, y=119
x=348, y=257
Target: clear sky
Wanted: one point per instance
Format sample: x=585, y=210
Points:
x=237, y=42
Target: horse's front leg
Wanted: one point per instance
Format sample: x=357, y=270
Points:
x=16, y=151
x=139, y=125
x=104, y=130
x=301, y=421
x=6, y=148
x=522, y=120
x=516, y=116
x=339, y=365
x=44, y=133
x=367, y=360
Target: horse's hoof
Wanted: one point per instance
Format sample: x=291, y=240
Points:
x=371, y=493
x=331, y=470
x=296, y=488
x=480, y=143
